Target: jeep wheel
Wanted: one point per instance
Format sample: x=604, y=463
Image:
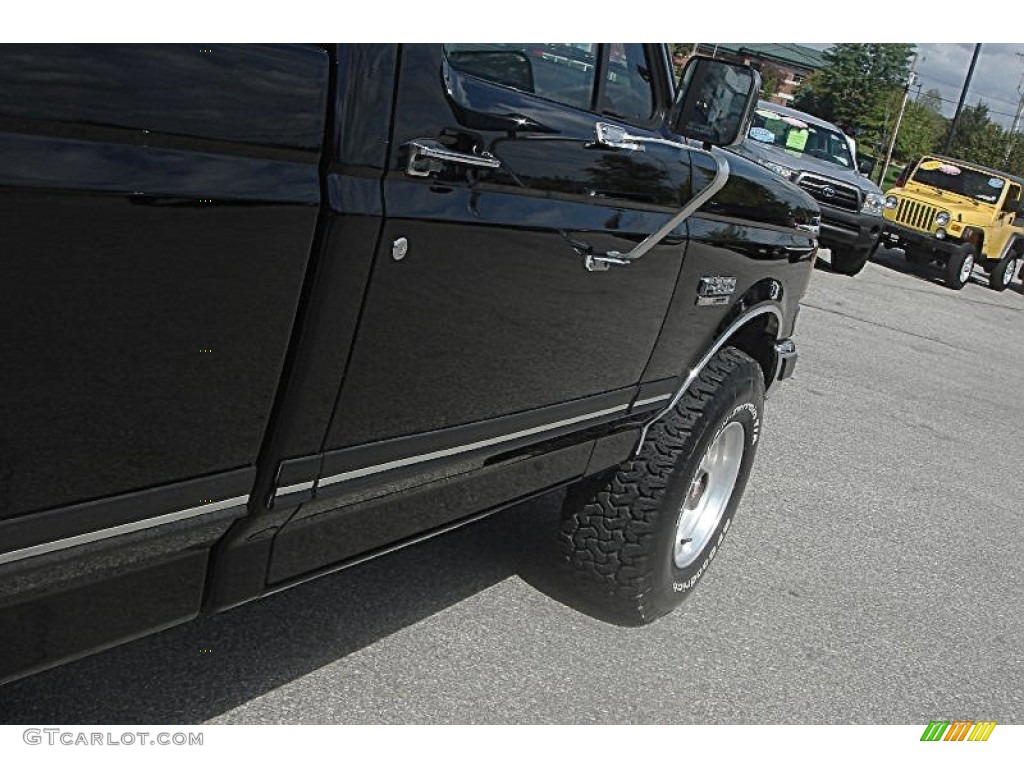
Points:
x=1001, y=275
x=849, y=262
x=639, y=542
x=959, y=266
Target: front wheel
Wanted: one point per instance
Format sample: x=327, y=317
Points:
x=639, y=542
x=849, y=262
x=959, y=266
x=1001, y=276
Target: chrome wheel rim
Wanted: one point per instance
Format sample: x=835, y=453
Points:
x=966, y=269
x=708, y=494
x=1008, y=273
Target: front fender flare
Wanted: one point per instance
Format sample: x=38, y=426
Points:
x=738, y=324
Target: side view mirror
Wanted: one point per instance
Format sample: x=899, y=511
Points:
x=716, y=101
x=866, y=165
x=1014, y=206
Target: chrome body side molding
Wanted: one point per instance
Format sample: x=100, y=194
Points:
x=468, y=447
x=119, y=530
x=306, y=485
x=650, y=400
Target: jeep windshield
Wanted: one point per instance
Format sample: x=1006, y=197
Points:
x=801, y=138
x=950, y=177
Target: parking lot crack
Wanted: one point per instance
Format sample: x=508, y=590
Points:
x=968, y=300
x=883, y=325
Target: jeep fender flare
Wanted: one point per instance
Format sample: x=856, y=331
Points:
x=976, y=237
x=1014, y=243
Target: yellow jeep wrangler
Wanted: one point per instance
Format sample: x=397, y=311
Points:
x=959, y=215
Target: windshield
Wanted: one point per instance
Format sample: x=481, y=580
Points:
x=968, y=182
x=801, y=138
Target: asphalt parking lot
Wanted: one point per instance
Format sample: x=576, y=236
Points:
x=873, y=575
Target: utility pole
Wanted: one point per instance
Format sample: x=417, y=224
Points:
x=963, y=97
x=911, y=81
x=1016, y=118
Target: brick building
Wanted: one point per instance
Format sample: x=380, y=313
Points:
x=793, y=62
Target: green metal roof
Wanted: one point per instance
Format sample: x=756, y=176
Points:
x=788, y=53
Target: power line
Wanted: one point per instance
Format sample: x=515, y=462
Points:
x=990, y=111
x=953, y=101
x=975, y=93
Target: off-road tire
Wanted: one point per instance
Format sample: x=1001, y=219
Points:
x=618, y=537
x=1001, y=276
x=954, y=269
x=849, y=262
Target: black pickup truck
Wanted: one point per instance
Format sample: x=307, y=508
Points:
x=271, y=310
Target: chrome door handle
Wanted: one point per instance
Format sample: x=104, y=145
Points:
x=427, y=156
x=616, y=137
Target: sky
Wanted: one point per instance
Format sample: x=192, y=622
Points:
x=997, y=79
x=997, y=76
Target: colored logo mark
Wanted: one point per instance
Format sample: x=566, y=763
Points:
x=958, y=730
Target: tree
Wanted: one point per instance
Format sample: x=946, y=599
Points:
x=978, y=139
x=771, y=79
x=680, y=53
x=931, y=100
x=810, y=96
x=921, y=131
x=857, y=83
x=1015, y=164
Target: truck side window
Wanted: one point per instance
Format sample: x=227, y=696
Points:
x=628, y=89
x=562, y=72
x=567, y=73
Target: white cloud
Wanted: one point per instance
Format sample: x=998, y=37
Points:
x=997, y=76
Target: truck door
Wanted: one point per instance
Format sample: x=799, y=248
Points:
x=479, y=304
x=157, y=205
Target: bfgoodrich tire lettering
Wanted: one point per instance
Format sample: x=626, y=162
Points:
x=619, y=539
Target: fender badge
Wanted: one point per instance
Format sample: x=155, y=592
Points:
x=715, y=290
